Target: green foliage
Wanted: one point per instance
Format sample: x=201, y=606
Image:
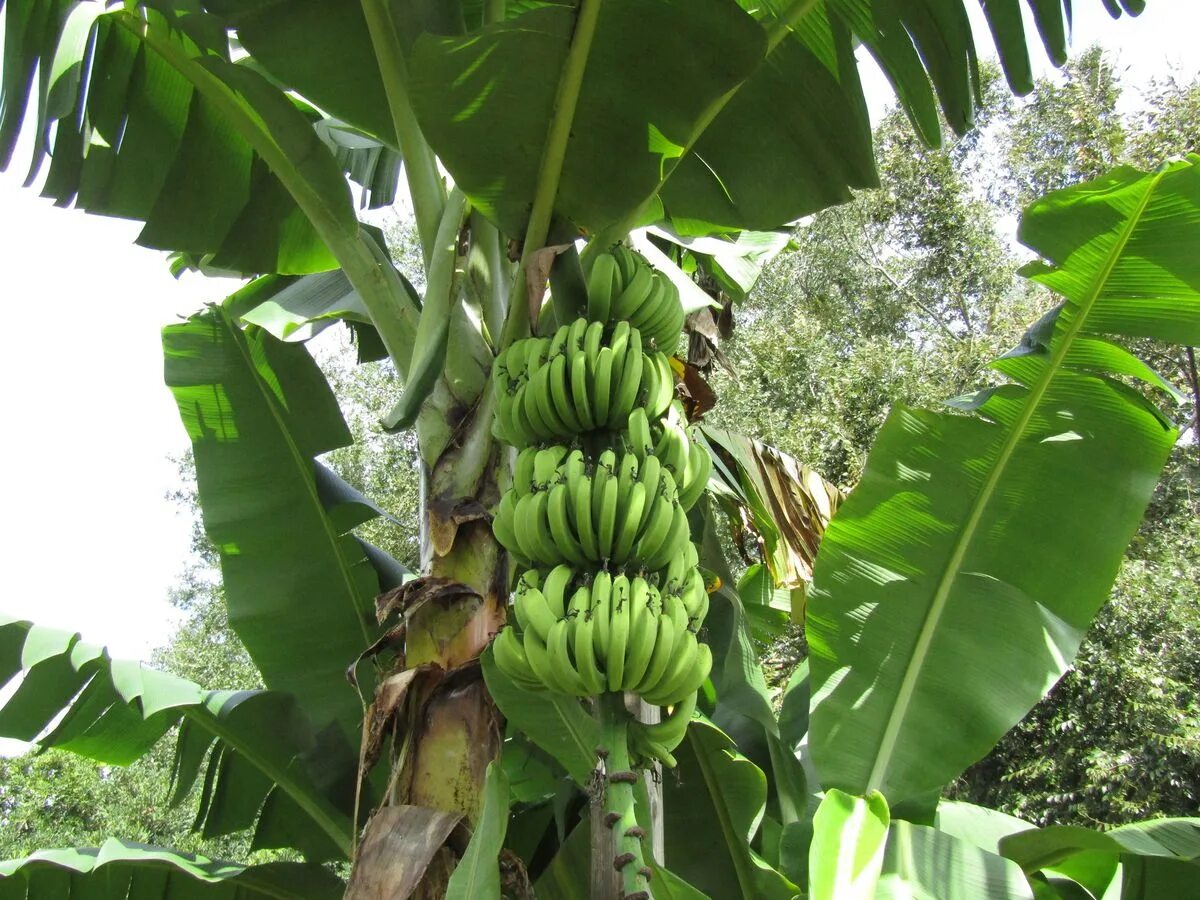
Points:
x=1116, y=740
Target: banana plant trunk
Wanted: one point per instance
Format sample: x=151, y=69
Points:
x=455, y=730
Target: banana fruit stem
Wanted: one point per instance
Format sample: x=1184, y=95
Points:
x=617, y=781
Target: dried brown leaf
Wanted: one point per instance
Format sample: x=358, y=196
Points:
x=537, y=276
x=397, y=846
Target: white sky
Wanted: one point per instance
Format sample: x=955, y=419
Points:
x=89, y=542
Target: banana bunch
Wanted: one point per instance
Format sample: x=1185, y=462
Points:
x=614, y=634
x=553, y=388
x=623, y=287
x=687, y=461
x=622, y=511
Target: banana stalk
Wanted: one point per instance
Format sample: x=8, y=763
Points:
x=617, y=841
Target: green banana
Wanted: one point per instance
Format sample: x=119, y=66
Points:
x=601, y=600
x=603, y=280
x=619, y=610
x=656, y=529
x=642, y=630
x=689, y=682
x=581, y=391
x=635, y=294
x=537, y=522
x=606, y=522
x=554, y=588
x=585, y=650
x=560, y=527
x=633, y=503
x=627, y=261
x=560, y=395
x=674, y=542
x=558, y=649
x=534, y=613
x=664, y=644
x=628, y=384
x=658, y=403
x=592, y=339
x=509, y=654
x=638, y=429
x=579, y=488
x=539, y=660
x=602, y=386
x=682, y=658
x=699, y=468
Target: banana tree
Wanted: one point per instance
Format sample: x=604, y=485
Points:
x=536, y=140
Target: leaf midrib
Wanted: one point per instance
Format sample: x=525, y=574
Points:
x=916, y=661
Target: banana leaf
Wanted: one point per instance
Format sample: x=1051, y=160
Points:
x=299, y=586
x=954, y=586
x=262, y=760
x=120, y=870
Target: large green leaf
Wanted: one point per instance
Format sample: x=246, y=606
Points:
x=120, y=870
x=1157, y=858
x=263, y=748
x=485, y=100
x=954, y=586
x=847, y=846
x=131, y=135
x=146, y=117
x=713, y=810
x=921, y=863
x=299, y=588
x=1038, y=848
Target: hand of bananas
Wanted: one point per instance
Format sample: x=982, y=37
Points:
x=553, y=388
x=614, y=634
x=611, y=600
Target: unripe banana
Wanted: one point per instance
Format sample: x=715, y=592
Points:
x=585, y=650
x=669, y=733
x=664, y=643
x=509, y=654
x=565, y=541
x=601, y=600
x=555, y=588
x=581, y=392
x=691, y=681
x=658, y=403
x=579, y=488
x=522, y=527
x=619, y=614
x=606, y=521
x=628, y=262
x=698, y=471
x=592, y=339
x=602, y=390
x=545, y=467
x=631, y=520
x=538, y=521
x=638, y=426
x=683, y=657
x=558, y=648
x=643, y=627
x=636, y=292
x=628, y=383
x=603, y=279
x=676, y=538
x=539, y=660
x=560, y=393
x=534, y=613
